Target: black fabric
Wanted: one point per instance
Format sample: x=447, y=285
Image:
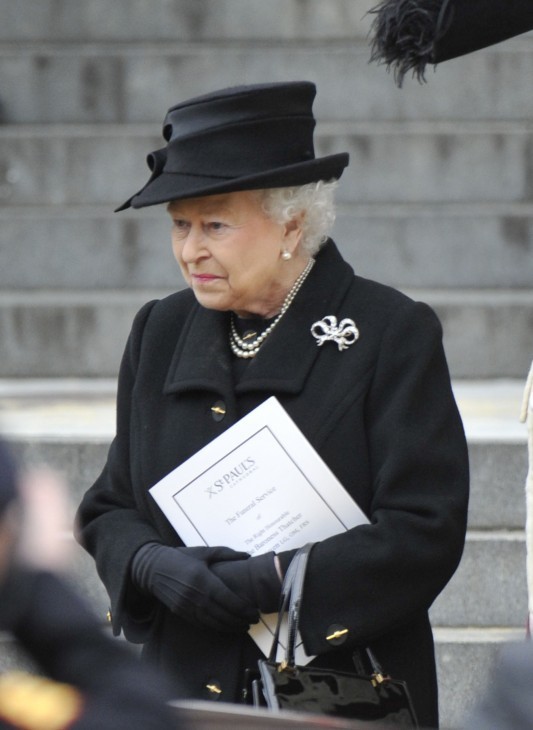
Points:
x=240, y=138
x=470, y=26
x=407, y=35
x=181, y=579
x=382, y=416
x=255, y=579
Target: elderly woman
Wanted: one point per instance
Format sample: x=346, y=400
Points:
x=250, y=207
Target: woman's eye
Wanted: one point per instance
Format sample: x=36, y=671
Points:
x=216, y=227
x=181, y=227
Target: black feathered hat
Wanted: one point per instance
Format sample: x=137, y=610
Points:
x=241, y=138
x=406, y=35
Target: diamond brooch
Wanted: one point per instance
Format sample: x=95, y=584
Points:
x=343, y=334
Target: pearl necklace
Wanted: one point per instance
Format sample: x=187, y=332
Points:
x=239, y=346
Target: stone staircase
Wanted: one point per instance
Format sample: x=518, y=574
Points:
x=437, y=201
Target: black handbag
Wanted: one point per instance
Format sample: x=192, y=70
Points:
x=373, y=697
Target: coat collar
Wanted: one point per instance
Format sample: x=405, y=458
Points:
x=202, y=359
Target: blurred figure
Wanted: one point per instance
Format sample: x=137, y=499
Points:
x=508, y=701
x=90, y=681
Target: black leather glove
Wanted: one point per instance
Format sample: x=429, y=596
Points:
x=255, y=579
x=181, y=579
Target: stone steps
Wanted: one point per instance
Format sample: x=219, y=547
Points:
x=175, y=20
x=70, y=423
x=136, y=81
x=409, y=162
x=488, y=333
x=465, y=658
x=477, y=245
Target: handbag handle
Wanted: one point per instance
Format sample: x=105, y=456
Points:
x=290, y=602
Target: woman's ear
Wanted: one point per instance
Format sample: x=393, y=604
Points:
x=293, y=231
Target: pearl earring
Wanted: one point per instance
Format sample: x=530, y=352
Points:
x=286, y=255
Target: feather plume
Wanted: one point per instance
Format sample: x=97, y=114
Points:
x=404, y=33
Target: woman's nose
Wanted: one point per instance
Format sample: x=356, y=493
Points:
x=193, y=247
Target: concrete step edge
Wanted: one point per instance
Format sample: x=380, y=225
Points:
x=56, y=387
x=499, y=535
x=477, y=635
x=472, y=297
x=70, y=409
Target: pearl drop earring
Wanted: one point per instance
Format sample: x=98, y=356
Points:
x=286, y=255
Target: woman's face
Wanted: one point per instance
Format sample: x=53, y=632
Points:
x=230, y=252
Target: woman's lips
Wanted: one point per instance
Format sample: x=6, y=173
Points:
x=204, y=278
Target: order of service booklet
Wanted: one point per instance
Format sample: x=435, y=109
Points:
x=259, y=487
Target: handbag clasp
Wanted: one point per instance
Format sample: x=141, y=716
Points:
x=284, y=666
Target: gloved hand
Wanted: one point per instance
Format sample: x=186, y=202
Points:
x=254, y=579
x=181, y=579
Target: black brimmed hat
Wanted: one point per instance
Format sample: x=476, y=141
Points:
x=406, y=35
x=241, y=138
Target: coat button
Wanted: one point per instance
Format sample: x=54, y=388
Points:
x=109, y=616
x=218, y=410
x=213, y=690
x=336, y=634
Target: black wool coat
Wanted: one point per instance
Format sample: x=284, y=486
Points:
x=380, y=413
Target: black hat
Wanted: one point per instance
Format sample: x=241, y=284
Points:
x=241, y=138
x=408, y=34
x=8, y=478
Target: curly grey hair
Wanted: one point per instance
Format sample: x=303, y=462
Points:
x=314, y=200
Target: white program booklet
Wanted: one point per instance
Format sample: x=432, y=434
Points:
x=260, y=486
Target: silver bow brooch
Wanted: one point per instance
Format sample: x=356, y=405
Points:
x=344, y=334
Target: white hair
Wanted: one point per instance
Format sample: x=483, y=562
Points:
x=313, y=200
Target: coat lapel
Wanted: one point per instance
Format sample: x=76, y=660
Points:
x=202, y=358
